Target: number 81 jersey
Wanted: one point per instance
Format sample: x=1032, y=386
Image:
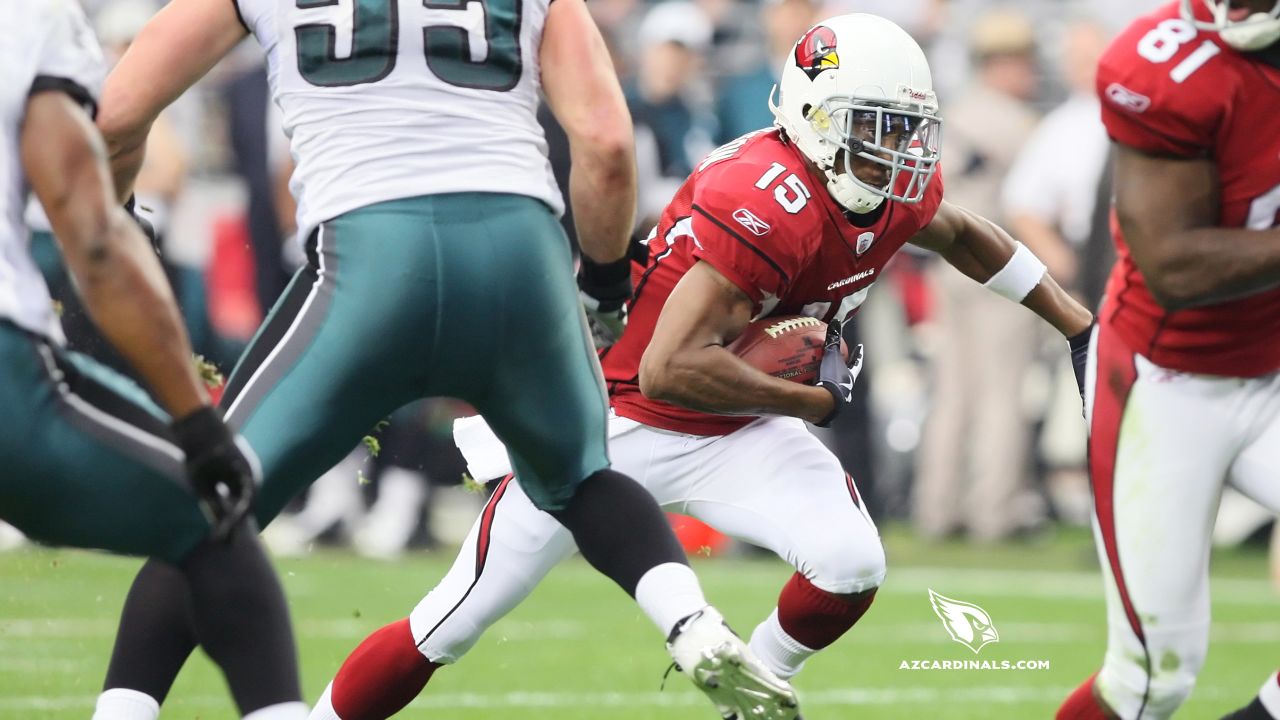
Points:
x=755, y=212
x=1171, y=90
x=385, y=99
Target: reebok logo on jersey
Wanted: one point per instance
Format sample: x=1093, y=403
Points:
x=852, y=279
x=748, y=220
x=1127, y=99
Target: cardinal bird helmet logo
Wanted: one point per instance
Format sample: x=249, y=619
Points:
x=816, y=51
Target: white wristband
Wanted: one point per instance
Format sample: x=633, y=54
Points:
x=1019, y=276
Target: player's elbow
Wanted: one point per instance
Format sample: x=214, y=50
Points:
x=655, y=383
x=122, y=127
x=660, y=376
x=610, y=150
x=1175, y=284
x=1167, y=295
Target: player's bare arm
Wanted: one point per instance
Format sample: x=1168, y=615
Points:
x=116, y=271
x=581, y=88
x=686, y=362
x=1168, y=209
x=981, y=249
x=175, y=49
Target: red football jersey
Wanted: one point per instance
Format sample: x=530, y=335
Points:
x=1167, y=88
x=756, y=213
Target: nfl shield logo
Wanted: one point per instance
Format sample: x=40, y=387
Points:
x=864, y=241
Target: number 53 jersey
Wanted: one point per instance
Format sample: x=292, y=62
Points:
x=755, y=212
x=1171, y=90
x=386, y=99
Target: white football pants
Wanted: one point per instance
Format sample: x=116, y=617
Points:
x=1161, y=446
x=772, y=484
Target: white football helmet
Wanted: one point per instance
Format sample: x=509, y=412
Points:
x=1255, y=32
x=858, y=86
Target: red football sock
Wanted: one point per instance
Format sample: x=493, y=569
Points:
x=814, y=617
x=1082, y=705
x=381, y=676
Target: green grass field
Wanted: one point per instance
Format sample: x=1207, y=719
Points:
x=579, y=649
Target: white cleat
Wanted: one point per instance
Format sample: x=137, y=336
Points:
x=722, y=666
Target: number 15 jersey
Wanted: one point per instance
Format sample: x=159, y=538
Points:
x=755, y=212
x=385, y=99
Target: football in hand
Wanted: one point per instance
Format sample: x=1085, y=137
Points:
x=786, y=346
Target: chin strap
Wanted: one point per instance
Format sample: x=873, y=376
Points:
x=851, y=195
x=1255, y=33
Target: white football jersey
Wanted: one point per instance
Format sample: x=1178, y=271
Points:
x=44, y=45
x=386, y=99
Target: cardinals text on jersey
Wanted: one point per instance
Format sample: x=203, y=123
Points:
x=755, y=212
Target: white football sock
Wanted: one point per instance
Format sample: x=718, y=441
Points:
x=780, y=652
x=283, y=711
x=122, y=704
x=1269, y=695
x=324, y=706
x=669, y=593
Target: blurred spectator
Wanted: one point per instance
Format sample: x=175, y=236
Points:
x=1057, y=200
x=1052, y=190
x=975, y=447
x=164, y=171
x=158, y=186
x=673, y=131
x=247, y=97
x=617, y=20
x=742, y=103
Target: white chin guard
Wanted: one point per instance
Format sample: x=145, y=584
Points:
x=1256, y=33
x=852, y=196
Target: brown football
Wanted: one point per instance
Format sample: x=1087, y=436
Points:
x=785, y=346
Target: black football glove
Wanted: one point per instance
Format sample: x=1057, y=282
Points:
x=835, y=375
x=1079, y=345
x=142, y=216
x=222, y=478
x=605, y=290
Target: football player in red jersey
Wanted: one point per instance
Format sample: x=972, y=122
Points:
x=1183, y=389
x=796, y=219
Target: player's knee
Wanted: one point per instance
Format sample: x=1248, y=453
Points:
x=850, y=567
x=556, y=479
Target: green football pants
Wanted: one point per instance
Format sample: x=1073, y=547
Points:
x=465, y=295
x=86, y=458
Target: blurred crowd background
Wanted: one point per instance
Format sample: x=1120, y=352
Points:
x=970, y=425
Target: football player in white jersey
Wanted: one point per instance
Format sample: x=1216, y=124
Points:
x=436, y=267
x=86, y=458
